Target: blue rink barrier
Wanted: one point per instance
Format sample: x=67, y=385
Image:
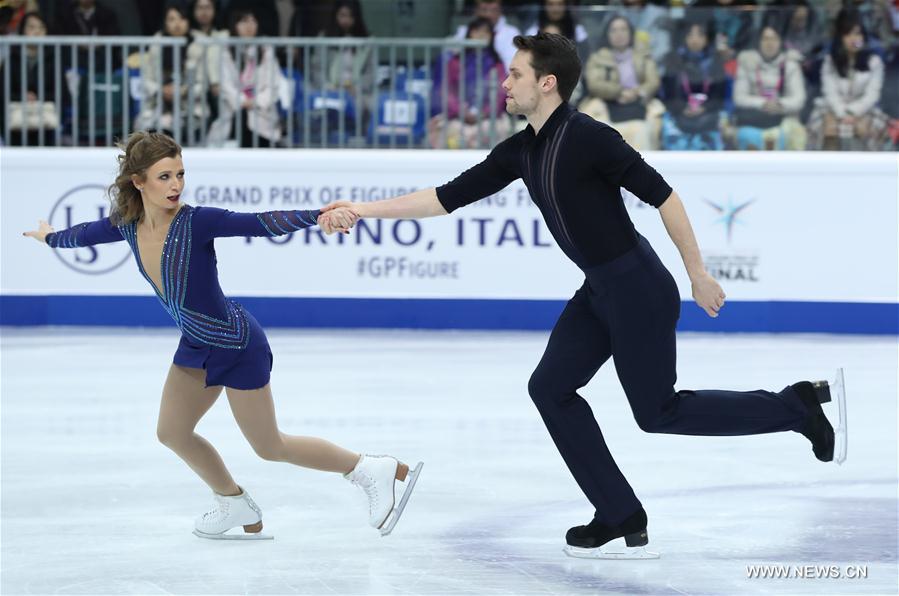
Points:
x=737, y=317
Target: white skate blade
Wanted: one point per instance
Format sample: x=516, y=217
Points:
x=394, y=516
x=236, y=536
x=607, y=551
x=840, y=431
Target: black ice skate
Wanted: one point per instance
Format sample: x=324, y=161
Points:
x=591, y=541
x=828, y=444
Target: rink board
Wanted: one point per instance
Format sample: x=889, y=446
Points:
x=801, y=242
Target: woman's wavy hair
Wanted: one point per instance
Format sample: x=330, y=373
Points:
x=140, y=151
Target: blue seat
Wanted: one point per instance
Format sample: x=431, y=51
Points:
x=401, y=116
x=326, y=110
x=296, y=78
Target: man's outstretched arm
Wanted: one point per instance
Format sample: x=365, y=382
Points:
x=421, y=203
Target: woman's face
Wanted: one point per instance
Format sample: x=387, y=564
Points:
x=345, y=19
x=34, y=27
x=854, y=40
x=482, y=33
x=555, y=9
x=799, y=20
x=696, y=39
x=619, y=34
x=247, y=26
x=162, y=183
x=204, y=12
x=769, y=43
x=175, y=24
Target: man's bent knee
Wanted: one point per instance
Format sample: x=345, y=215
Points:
x=545, y=392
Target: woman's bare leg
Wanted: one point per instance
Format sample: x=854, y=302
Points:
x=254, y=411
x=185, y=399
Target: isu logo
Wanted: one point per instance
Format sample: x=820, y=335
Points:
x=79, y=205
x=729, y=214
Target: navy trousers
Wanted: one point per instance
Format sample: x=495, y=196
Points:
x=628, y=309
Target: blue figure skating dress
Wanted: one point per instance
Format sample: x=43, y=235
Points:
x=217, y=334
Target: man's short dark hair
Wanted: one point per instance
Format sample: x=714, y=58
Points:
x=553, y=54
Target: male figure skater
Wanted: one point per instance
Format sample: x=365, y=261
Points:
x=629, y=303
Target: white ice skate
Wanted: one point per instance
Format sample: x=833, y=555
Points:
x=840, y=434
x=377, y=475
x=229, y=513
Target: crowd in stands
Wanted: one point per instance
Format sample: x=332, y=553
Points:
x=669, y=75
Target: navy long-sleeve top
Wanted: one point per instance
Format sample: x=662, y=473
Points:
x=190, y=291
x=574, y=169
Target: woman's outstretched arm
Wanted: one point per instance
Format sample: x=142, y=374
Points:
x=102, y=231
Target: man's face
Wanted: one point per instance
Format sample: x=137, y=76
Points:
x=521, y=86
x=489, y=10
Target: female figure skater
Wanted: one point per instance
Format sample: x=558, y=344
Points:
x=221, y=345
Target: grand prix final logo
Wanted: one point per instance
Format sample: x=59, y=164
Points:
x=81, y=204
x=730, y=264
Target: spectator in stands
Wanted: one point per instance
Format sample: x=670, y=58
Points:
x=733, y=28
x=88, y=17
x=769, y=93
x=251, y=86
x=622, y=82
x=348, y=68
x=652, y=28
x=205, y=19
x=465, y=122
x=847, y=116
x=12, y=13
x=557, y=13
x=806, y=34
x=503, y=32
x=694, y=88
x=805, y=29
x=163, y=85
x=264, y=11
x=28, y=115
x=875, y=17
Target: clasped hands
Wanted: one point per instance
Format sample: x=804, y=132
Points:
x=338, y=217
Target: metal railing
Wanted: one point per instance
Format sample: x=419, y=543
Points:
x=316, y=92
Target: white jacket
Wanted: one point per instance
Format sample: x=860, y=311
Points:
x=269, y=86
x=856, y=94
x=151, y=82
x=753, y=69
